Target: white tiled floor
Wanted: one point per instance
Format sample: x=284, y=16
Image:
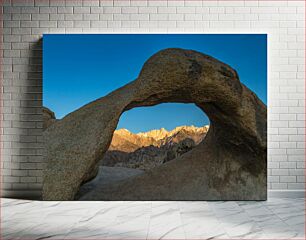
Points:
x=272, y=219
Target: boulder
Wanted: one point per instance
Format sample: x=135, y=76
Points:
x=48, y=117
x=229, y=164
x=178, y=149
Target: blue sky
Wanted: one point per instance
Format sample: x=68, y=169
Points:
x=79, y=68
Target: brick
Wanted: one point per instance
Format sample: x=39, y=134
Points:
x=166, y=9
x=42, y=3
x=11, y=9
x=98, y=24
x=287, y=179
x=73, y=16
x=121, y=17
x=130, y=24
x=57, y=17
x=111, y=10
x=158, y=17
x=138, y=3
x=83, y=10
x=185, y=24
x=210, y=17
x=21, y=186
x=277, y=186
x=300, y=179
x=65, y=24
x=105, y=17
x=176, y=17
x=30, y=24
x=202, y=10
x=74, y=3
x=287, y=145
x=11, y=24
x=230, y=3
x=261, y=10
x=129, y=10
x=217, y=10
x=82, y=24
x=140, y=17
x=193, y=17
x=96, y=10
x=91, y=3
x=6, y=172
x=148, y=24
x=21, y=31
x=300, y=164
x=185, y=9
x=113, y=24
x=28, y=179
x=44, y=16
x=19, y=173
x=147, y=9
x=122, y=3
x=21, y=16
x=29, y=10
x=287, y=165
x=194, y=3
x=221, y=24
x=36, y=173
x=23, y=3
x=273, y=165
x=296, y=186
x=296, y=151
x=229, y=17
x=11, y=179
x=91, y=16
x=166, y=24
x=65, y=10
x=11, y=53
x=59, y=3
x=273, y=179
x=158, y=3
x=296, y=172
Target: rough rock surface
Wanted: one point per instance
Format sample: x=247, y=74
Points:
x=106, y=176
x=230, y=164
x=48, y=117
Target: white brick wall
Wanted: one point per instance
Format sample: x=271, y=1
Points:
x=24, y=21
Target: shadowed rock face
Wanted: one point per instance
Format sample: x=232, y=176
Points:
x=229, y=164
x=48, y=117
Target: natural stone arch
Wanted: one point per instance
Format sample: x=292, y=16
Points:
x=229, y=164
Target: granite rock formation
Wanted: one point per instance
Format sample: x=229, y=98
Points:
x=229, y=164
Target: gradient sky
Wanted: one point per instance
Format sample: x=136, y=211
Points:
x=79, y=68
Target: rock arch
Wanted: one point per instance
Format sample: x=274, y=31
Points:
x=229, y=164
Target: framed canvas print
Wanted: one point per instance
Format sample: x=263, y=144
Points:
x=155, y=116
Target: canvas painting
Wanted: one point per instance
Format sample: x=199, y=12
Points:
x=155, y=116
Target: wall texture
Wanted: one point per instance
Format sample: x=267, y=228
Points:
x=24, y=22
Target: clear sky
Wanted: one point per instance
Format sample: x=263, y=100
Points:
x=79, y=68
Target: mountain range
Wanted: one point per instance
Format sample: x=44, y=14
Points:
x=126, y=141
x=146, y=150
